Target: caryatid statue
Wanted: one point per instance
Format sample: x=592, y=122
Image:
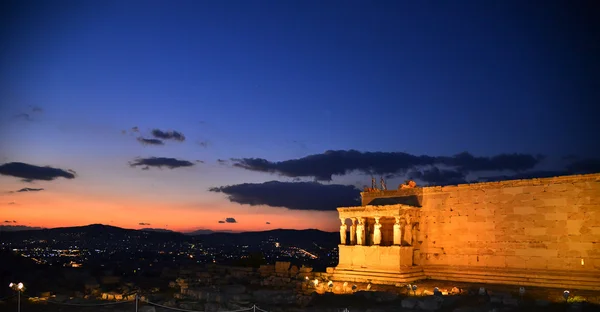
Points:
x=343, y=228
x=360, y=232
x=377, y=232
x=353, y=232
x=397, y=232
x=383, y=186
x=407, y=231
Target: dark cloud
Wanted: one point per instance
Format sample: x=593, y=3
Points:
x=31, y=172
x=123, y=131
x=12, y=203
x=436, y=176
x=323, y=166
x=524, y=175
x=28, y=189
x=203, y=143
x=9, y=221
x=37, y=109
x=143, y=223
x=584, y=166
x=221, y=221
x=135, y=129
x=222, y=161
x=23, y=116
x=168, y=135
x=230, y=220
x=150, y=141
x=466, y=162
x=268, y=222
x=199, y=161
x=292, y=195
x=160, y=162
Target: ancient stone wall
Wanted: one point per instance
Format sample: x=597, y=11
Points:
x=547, y=224
x=390, y=258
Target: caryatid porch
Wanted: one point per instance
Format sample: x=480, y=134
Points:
x=381, y=238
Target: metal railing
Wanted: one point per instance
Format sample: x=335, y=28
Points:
x=136, y=300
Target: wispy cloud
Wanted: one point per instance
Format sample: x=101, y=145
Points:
x=143, y=223
x=168, y=135
x=150, y=141
x=160, y=162
x=230, y=220
x=28, y=189
x=23, y=116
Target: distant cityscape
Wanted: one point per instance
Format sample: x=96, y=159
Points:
x=132, y=252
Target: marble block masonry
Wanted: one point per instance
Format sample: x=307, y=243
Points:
x=536, y=232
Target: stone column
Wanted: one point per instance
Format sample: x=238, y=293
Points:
x=360, y=231
x=353, y=232
x=397, y=232
x=343, y=228
x=377, y=232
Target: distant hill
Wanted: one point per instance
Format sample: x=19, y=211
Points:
x=156, y=230
x=284, y=236
x=200, y=232
x=105, y=233
x=11, y=228
x=93, y=232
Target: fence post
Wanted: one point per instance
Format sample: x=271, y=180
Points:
x=136, y=302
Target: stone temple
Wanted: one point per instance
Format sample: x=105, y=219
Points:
x=537, y=232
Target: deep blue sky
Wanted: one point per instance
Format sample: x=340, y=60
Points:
x=282, y=80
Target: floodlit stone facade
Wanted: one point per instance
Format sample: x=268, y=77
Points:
x=539, y=232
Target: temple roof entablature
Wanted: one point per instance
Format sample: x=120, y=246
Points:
x=393, y=211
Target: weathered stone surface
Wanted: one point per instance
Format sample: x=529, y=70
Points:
x=550, y=225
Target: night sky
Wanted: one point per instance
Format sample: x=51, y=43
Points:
x=255, y=115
